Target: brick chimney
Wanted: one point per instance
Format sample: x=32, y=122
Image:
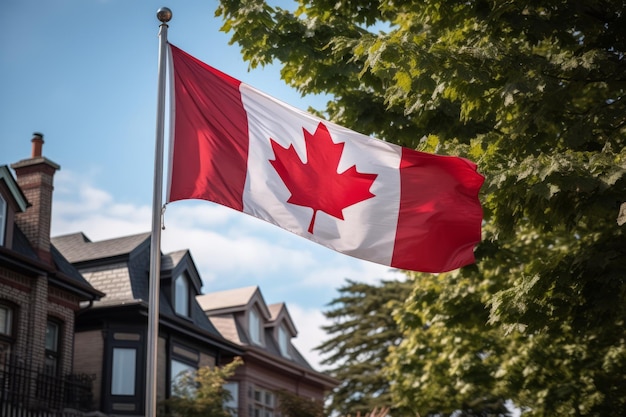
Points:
x=34, y=176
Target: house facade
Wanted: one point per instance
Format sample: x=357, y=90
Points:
x=41, y=294
x=271, y=363
x=111, y=335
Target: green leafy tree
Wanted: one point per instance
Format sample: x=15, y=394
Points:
x=200, y=393
x=448, y=361
x=534, y=93
x=361, y=332
x=292, y=405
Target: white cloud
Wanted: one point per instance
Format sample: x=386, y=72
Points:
x=242, y=257
x=80, y=207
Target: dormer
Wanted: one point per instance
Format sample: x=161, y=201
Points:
x=248, y=308
x=181, y=280
x=282, y=328
x=12, y=201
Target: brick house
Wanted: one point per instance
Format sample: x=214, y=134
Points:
x=41, y=293
x=195, y=330
x=271, y=362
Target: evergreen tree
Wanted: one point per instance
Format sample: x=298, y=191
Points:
x=361, y=333
x=534, y=93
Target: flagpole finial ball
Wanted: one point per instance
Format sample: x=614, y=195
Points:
x=164, y=14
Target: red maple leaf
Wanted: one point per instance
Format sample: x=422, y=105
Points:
x=316, y=183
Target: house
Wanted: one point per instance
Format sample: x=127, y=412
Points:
x=195, y=330
x=271, y=362
x=41, y=294
x=110, y=337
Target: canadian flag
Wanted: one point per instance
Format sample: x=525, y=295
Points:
x=238, y=147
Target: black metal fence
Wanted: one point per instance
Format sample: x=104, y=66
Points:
x=26, y=391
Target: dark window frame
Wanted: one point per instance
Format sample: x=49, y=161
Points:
x=55, y=353
x=186, y=360
x=9, y=338
x=137, y=401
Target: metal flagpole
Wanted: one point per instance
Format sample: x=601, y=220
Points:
x=164, y=15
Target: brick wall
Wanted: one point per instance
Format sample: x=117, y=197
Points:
x=88, y=358
x=113, y=280
x=35, y=178
x=30, y=295
x=16, y=289
x=62, y=305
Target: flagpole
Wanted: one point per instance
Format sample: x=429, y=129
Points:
x=164, y=15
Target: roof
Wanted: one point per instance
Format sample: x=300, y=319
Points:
x=60, y=272
x=78, y=248
x=120, y=268
x=228, y=327
x=230, y=301
x=280, y=314
x=226, y=308
x=237, y=298
x=170, y=260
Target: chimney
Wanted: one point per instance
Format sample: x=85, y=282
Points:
x=34, y=176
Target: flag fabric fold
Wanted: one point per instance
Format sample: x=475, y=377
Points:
x=238, y=147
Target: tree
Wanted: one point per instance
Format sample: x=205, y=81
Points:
x=292, y=405
x=360, y=335
x=201, y=393
x=534, y=93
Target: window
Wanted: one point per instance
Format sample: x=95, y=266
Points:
x=123, y=371
x=264, y=403
x=3, y=219
x=6, y=320
x=232, y=405
x=181, y=295
x=182, y=359
x=6, y=330
x=51, y=363
x=178, y=370
x=255, y=327
x=283, y=341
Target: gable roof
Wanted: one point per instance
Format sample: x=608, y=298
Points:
x=179, y=261
x=281, y=315
x=235, y=300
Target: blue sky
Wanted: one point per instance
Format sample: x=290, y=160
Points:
x=84, y=73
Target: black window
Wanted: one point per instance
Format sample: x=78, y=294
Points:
x=53, y=338
x=7, y=329
x=124, y=386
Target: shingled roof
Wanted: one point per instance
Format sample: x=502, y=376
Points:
x=225, y=309
x=120, y=268
x=78, y=248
